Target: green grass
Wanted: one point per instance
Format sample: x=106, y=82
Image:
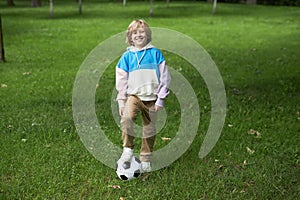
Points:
x=256, y=49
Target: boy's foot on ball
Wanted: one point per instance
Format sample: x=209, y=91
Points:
x=127, y=154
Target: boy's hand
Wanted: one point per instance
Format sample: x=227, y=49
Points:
x=157, y=108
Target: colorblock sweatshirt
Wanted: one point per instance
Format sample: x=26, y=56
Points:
x=144, y=73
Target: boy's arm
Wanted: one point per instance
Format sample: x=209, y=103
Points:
x=163, y=87
x=121, y=86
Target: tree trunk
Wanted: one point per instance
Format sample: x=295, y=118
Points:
x=10, y=3
x=2, y=58
x=215, y=7
x=151, y=8
x=36, y=3
x=51, y=8
x=80, y=7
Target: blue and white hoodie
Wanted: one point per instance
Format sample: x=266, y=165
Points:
x=144, y=73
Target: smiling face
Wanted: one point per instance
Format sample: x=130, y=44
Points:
x=139, y=38
x=138, y=34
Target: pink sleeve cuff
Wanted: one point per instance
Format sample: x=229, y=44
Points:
x=160, y=102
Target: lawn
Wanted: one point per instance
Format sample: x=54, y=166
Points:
x=256, y=49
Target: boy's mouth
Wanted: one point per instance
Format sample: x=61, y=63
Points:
x=139, y=38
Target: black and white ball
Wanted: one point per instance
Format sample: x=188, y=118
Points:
x=129, y=170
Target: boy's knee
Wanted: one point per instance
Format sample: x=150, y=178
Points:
x=149, y=130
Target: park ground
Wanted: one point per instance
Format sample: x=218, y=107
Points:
x=256, y=49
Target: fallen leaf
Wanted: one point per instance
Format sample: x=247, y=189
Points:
x=122, y=198
x=236, y=91
x=26, y=73
x=250, y=151
x=115, y=186
x=254, y=132
x=35, y=124
x=166, y=138
x=3, y=85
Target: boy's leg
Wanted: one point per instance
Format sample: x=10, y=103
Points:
x=127, y=121
x=149, y=131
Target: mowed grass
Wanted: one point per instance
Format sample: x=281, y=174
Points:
x=256, y=49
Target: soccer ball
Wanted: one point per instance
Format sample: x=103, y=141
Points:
x=129, y=170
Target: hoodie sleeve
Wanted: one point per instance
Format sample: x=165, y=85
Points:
x=163, y=87
x=121, y=86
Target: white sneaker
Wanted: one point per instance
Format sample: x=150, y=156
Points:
x=146, y=167
x=127, y=154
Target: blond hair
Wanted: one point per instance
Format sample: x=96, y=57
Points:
x=134, y=25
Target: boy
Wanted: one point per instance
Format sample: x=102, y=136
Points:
x=142, y=82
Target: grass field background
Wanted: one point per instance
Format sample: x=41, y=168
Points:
x=256, y=49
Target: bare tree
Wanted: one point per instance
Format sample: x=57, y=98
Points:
x=10, y=3
x=80, y=7
x=215, y=7
x=151, y=8
x=51, y=8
